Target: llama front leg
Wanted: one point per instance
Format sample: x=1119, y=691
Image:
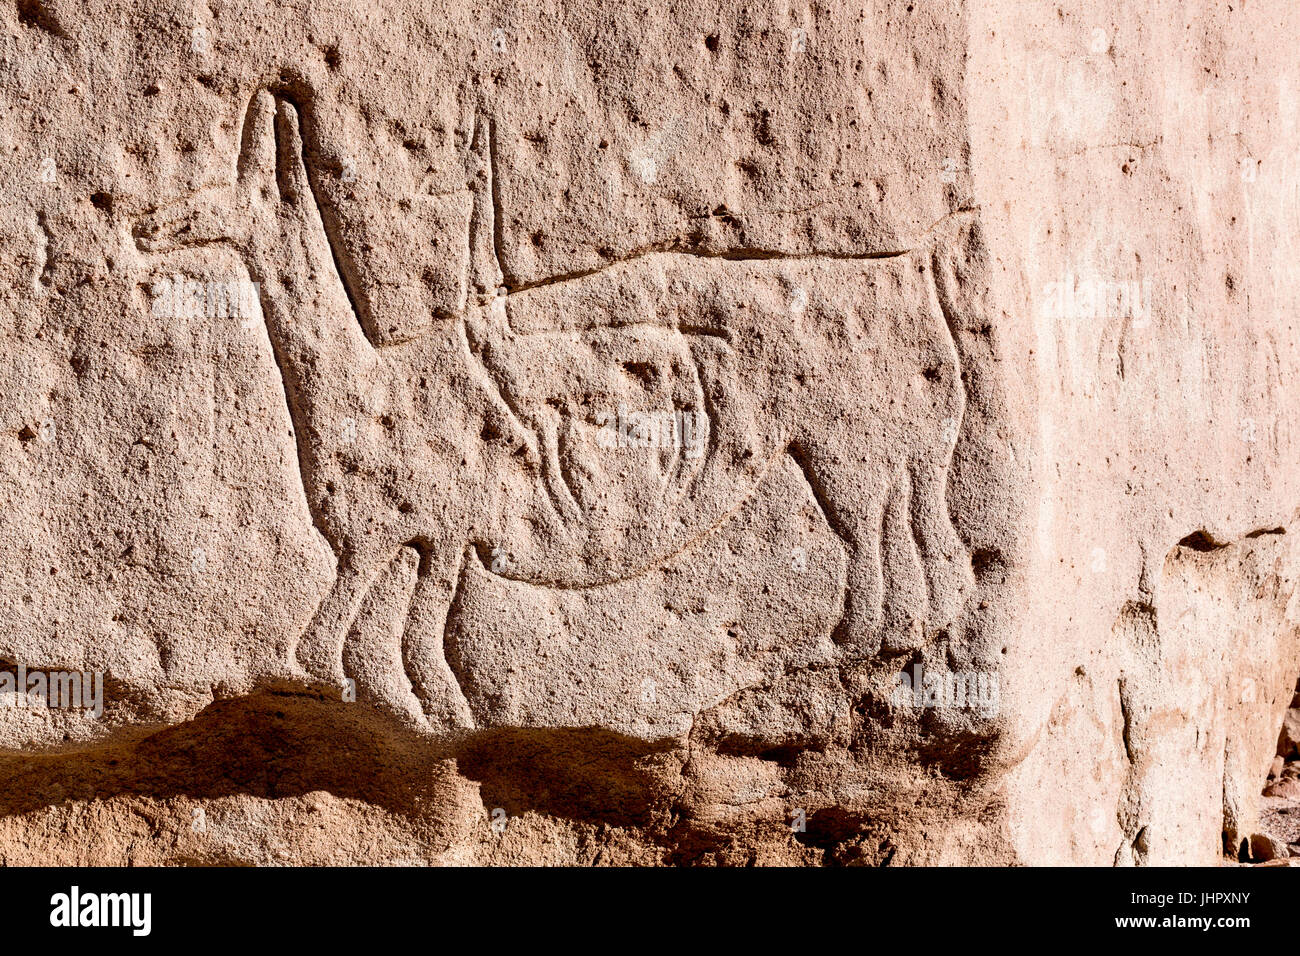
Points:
x=424, y=654
x=377, y=630
x=859, y=625
x=319, y=650
x=372, y=650
x=393, y=649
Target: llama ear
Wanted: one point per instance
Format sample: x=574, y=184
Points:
x=256, y=166
x=485, y=272
x=290, y=171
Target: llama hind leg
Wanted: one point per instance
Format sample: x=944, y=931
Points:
x=858, y=629
x=906, y=602
x=944, y=557
x=852, y=504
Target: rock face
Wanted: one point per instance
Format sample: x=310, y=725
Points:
x=666, y=435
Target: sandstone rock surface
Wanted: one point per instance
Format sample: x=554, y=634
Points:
x=671, y=434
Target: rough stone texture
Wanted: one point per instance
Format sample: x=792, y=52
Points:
x=967, y=333
x=1288, y=741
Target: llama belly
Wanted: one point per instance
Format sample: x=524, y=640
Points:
x=756, y=598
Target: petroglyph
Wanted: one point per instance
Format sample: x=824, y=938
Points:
x=481, y=439
x=552, y=433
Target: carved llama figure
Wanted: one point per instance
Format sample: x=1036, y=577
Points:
x=474, y=442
